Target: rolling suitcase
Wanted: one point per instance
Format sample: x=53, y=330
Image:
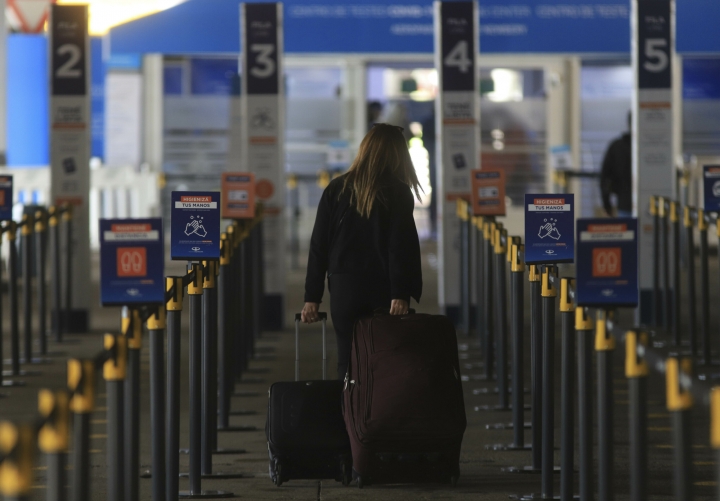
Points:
x=305, y=428
x=403, y=400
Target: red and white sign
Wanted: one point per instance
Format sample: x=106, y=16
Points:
x=28, y=16
x=607, y=262
x=131, y=262
x=134, y=232
x=238, y=195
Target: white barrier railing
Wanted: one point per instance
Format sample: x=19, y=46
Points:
x=115, y=192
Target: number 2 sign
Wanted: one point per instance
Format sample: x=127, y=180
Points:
x=68, y=49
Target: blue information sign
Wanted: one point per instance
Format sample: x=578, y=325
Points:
x=549, y=229
x=6, y=198
x=607, y=262
x=195, y=225
x=711, y=182
x=132, y=259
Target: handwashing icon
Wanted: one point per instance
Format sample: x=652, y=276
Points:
x=549, y=230
x=195, y=226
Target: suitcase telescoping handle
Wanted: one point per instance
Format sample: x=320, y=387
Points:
x=323, y=318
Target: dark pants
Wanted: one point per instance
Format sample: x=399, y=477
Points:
x=351, y=297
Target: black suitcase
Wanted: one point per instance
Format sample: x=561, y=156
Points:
x=305, y=428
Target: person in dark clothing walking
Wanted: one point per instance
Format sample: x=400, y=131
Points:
x=616, y=175
x=365, y=238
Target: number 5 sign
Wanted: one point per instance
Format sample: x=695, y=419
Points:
x=131, y=262
x=607, y=268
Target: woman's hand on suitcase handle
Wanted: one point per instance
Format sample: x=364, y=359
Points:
x=310, y=313
x=399, y=307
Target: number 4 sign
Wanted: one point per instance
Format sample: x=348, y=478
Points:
x=607, y=271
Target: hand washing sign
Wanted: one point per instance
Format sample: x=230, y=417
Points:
x=607, y=263
x=549, y=229
x=195, y=225
x=132, y=260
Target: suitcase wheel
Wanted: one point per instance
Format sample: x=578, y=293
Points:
x=346, y=475
x=360, y=482
x=278, y=480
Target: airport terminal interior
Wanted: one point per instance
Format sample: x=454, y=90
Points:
x=177, y=176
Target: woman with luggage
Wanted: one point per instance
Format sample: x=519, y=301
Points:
x=365, y=239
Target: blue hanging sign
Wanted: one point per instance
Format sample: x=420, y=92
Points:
x=549, y=229
x=132, y=259
x=711, y=182
x=195, y=225
x=607, y=263
x=6, y=198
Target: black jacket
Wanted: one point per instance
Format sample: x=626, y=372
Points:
x=384, y=247
x=616, y=174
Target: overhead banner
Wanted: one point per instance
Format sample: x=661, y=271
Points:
x=457, y=113
x=262, y=150
x=652, y=128
x=607, y=264
x=70, y=141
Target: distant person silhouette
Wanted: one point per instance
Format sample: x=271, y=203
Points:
x=616, y=175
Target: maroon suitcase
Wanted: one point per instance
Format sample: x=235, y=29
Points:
x=403, y=400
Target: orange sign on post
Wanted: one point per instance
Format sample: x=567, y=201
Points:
x=131, y=262
x=238, y=195
x=488, y=192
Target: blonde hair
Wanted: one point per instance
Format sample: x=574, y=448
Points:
x=383, y=151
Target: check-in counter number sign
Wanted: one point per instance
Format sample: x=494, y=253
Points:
x=131, y=262
x=607, y=262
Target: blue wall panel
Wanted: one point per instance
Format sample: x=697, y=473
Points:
x=27, y=103
x=97, y=106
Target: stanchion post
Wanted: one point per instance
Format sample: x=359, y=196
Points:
x=11, y=233
x=57, y=318
x=224, y=329
x=604, y=346
x=702, y=221
x=26, y=232
x=156, y=327
x=81, y=385
x=114, y=372
x=500, y=302
x=53, y=440
x=690, y=240
x=679, y=403
x=174, y=307
x=195, y=291
x=207, y=368
x=67, y=218
x=536, y=365
x=488, y=315
x=663, y=207
x=517, y=270
x=132, y=330
x=464, y=222
x=479, y=279
x=567, y=402
x=549, y=296
x=17, y=446
x=636, y=372
x=715, y=433
x=585, y=344
x=675, y=306
x=657, y=302
x=40, y=237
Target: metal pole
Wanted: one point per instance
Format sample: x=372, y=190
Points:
x=206, y=369
x=675, y=307
x=666, y=299
x=156, y=326
x=500, y=302
x=259, y=284
x=715, y=431
x=56, y=275
x=517, y=326
x=690, y=239
x=172, y=429
x=657, y=301
x=549, y=295
x=81, y=384
x=13, y=293
x=195, y=292
x=213, y=369
x=704, y=287
x=463, y=220
x=18, y=451
x=67, y=218
x=132, y=330
x=114, y=372
x=224, y=330
x=636, y=370
x=536, y=365
x=489, y=347
x=53, y=440
x=584, y=329
x=567, y=427
x=27, y=260
x=40, y=232
x=679, y=403
x=479, y=280
x=56, y=476
x=604, y=345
